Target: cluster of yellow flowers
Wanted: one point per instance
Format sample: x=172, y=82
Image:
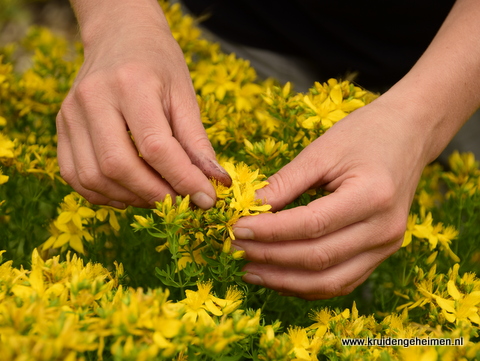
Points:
x=189, y=232
x=63, y=310
x=77, y=221
x=188, y=301
x=71, y=311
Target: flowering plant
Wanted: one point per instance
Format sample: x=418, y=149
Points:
x=86, y=282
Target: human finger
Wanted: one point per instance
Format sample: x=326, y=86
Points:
x=190, y=133
x=103, y=151
x=350, y=203
x=68, y=170
x=324, y=252
x=156, y=142
x=335, y=281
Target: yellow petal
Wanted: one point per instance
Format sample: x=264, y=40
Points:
x=61, y=240
x=86, y=212
x=36, y=280
x=64, y=217
x=170, y=328
x=310, y=122
x=76, y=244
x=453, y=291
x=210, y=306
x=351, y=105
x=447, y=305
x=309, y=103
x=49, y=242
x=101, y=214
x=475, y=317
x=336, y=94
x=77, y=220
x=450, y=317
x=114, y=221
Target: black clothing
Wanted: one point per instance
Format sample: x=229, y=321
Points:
x=379, y=39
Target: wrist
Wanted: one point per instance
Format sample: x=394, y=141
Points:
x=112, y=19
x=433, y=109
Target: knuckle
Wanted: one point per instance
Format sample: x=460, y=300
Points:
x=394, y=234
x=276, y=231
x=267, y=256
x=67, y=112
x=153, y=148
x=384, y=195
x=283, y=285
x=126, y=75
x=154, y=193
x=85, y=92
x=94, y=198
x=153, y=197
x=318, y=259
x=110, y=164
x=134, y=75
x=68, y=174
x=179, y=180
x=315, y=224
x=89, y=179
x=397, y=228
x=277, y=185
x=333, y=287
x=347, y=290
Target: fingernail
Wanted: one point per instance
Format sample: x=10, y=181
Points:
x=225, y=179
x=203, y=200
x=243, y=233
x=253, y=279
x=116, y=204
x=219, y=167
x=236, y=246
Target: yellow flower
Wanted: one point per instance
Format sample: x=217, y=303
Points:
x=463, y=163
x=328, y=103
x=232, y=300
x=109, y=212
x=244, y=96
x=73, y=211
x=6, y=146
x=219, y=82
x=411, y=222
x=435, y=234
x=142, y=222
x=301, y=343
x=325, y=112
x=72, y=235
x=197, y=303
x=462, y=307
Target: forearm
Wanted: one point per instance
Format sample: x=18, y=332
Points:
x=99, y=19
x=442, y=90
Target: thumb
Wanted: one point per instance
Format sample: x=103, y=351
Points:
x=301, y=174
x=206, y=161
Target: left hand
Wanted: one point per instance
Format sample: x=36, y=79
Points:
x=371, y=161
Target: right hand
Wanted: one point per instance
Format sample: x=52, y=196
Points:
x=135, y=78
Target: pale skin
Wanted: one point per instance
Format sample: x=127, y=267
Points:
x=134, y=75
